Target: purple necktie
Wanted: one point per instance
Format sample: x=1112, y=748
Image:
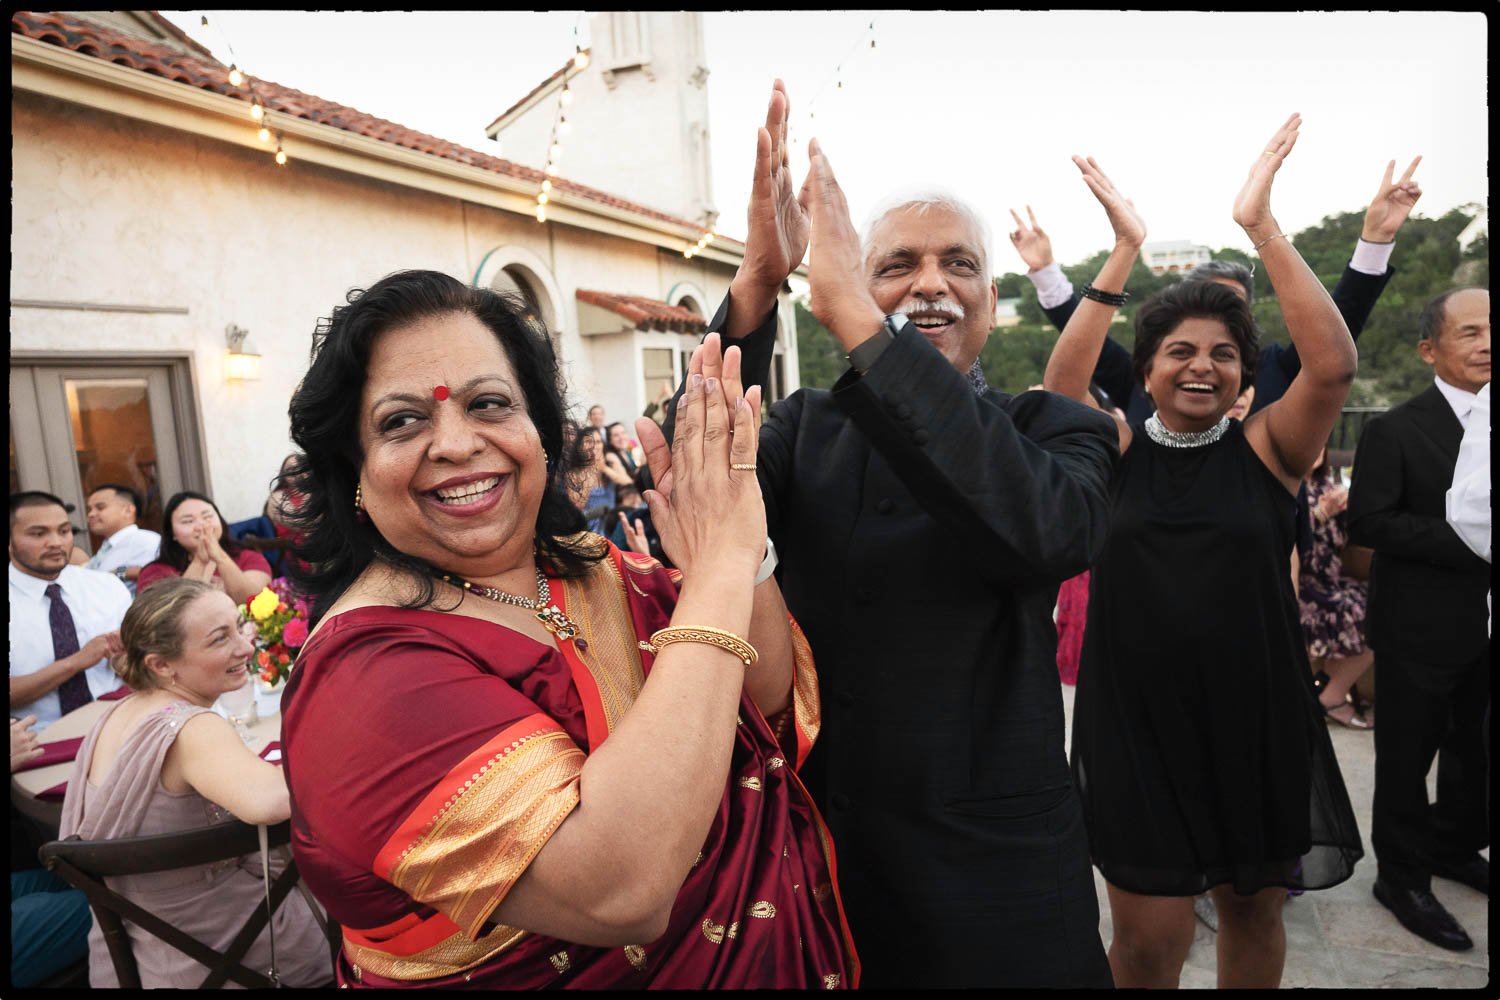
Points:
x=74, y=692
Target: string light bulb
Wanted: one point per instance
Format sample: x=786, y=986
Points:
x=541, y=199
x=556, y=150
x=566, y=96
x=257, y=112
x=580, y=58
x=551, y=169
x=280, y=158
x=563, y=126
x=235, y=76
x=265, y=135
x=541, y=214
x=546, y=184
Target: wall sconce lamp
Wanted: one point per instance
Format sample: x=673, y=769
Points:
x=243, y=363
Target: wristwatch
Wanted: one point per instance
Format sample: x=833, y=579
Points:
x=866, y=354
x=121, y=571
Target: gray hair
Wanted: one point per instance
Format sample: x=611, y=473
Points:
x=922, y=201
x=1234, y=271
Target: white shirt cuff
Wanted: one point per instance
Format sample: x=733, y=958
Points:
x=1052, y=286
x=1371, y=258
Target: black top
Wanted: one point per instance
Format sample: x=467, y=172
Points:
x=1197, y=743
x=922, y=531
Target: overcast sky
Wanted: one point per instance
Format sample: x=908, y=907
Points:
x=1174, y=106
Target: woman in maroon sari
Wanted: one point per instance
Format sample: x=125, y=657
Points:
x=592, y=787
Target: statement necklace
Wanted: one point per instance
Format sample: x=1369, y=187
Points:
x=549, y=614
x=1158, y=432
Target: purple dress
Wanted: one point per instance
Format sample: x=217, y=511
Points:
x=1332, y=604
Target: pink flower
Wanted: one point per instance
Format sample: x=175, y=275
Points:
x=295, y=633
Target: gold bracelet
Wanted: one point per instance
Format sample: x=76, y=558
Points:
x=1268, y=239
x=699, y=633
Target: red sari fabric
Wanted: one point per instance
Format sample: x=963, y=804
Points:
x=1072, y=614
x=430, y=755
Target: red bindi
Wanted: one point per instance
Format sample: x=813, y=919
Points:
x=440, y=393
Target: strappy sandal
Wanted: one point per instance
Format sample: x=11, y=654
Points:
x=1354, y=721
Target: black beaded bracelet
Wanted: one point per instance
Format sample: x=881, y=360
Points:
x=1108, y=298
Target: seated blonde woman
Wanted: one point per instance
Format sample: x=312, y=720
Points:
x=160, y=761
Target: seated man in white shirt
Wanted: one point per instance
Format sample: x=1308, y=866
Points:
x=64, y=619
x=112, y=510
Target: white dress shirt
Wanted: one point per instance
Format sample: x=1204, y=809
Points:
x=132, y=545
x=1461, y=400
x=97, y=602
x=1469, y=496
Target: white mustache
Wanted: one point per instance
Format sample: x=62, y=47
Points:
x=915, y=305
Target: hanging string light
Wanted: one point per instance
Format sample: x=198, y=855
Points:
x=837, y=77
x=560, y=126
x=257, y=107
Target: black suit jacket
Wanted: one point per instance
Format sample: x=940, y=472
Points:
x=1355, y=296
x=1427, y=588
x=922, y=532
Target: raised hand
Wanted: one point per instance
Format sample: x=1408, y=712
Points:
x=841, y=299
x=1129, y=227
x=778, y=226
x=707, y=363
x=635, y=536
x=1031, y=243
x=1252, y=206
x=712, y=512
x=1391, y=204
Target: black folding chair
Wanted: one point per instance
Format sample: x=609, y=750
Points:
x=85, y=863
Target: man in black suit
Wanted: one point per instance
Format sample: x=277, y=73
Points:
x=923, y=523
x=1426, y=621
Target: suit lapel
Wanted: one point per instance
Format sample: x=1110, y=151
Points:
x=1432, y=415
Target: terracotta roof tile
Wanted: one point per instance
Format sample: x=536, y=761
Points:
x=100, y=42
x=646, y=314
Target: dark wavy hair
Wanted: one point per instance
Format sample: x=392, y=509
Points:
x=172, y=552
x=1165, y=310
x=337, y=546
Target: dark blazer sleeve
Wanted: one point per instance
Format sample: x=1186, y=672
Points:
x=1023, y=481
x=1354, y=297
x=757, y=348
x=1379, y=516
x=1058, y=316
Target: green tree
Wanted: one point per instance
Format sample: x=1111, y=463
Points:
x=820, y=359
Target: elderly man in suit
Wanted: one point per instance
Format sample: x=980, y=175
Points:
x=923, y=523
x=1426, y=622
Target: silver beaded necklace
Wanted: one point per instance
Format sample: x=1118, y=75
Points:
x=1159, y=432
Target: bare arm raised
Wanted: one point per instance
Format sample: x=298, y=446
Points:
x=1077, y=350
x=1289, y=434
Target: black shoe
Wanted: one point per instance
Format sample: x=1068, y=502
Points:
x=1420, y=912
x=1474, y=873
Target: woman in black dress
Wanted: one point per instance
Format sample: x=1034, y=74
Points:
x=1198, y=747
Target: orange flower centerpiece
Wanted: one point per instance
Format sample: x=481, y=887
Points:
x=279, y=614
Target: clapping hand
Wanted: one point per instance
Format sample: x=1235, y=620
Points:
x=841, y=299
x=1031, y=243
x=712, y=511
x=635, y=535
x=1252, y=206
x=707, y=363
x=23, y=742
x=1391, y=204
x=1129, y=227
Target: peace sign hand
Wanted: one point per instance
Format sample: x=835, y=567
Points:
x=1252, y=206
x=1391, y=204
x=1031, y=243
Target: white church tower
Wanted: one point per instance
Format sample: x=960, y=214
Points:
x=637, y=118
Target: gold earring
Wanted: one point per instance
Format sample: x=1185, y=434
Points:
x=357, y=507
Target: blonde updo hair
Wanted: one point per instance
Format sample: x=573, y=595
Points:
x=153, y=624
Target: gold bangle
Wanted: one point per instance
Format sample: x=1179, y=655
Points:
x=700, y=633
x=1268, y=239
